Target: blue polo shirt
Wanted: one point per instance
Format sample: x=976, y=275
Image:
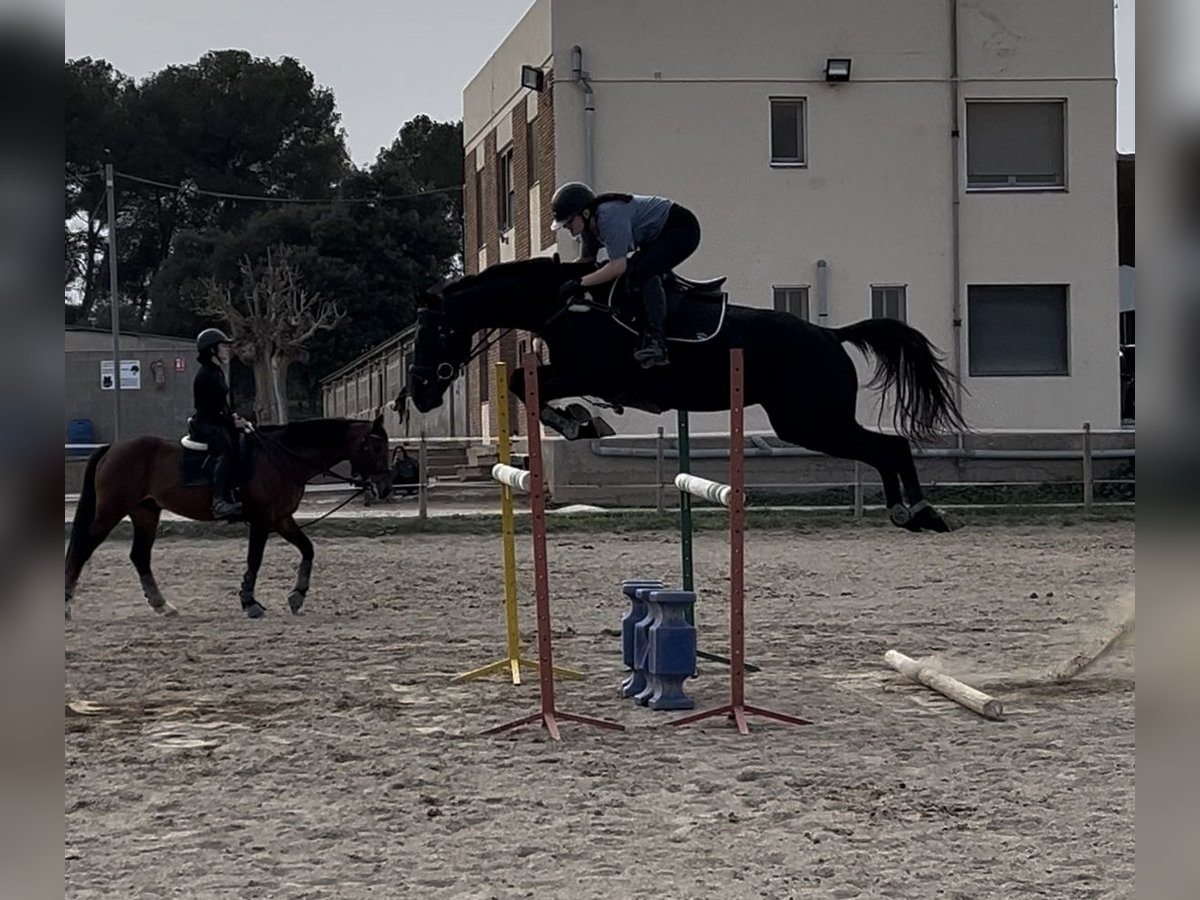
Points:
x=625, y=226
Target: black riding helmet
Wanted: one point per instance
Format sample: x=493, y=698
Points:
x=570, y=200
x=210, y=337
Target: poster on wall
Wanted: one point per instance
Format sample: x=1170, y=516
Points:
x=131, y=375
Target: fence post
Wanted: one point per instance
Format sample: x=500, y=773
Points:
x=685, y=507
x=423, y=478
x=858, y=490
x=658, y=473
x=1087, y=468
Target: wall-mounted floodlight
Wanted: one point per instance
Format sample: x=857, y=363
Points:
x=837, y=70
x=533, y=78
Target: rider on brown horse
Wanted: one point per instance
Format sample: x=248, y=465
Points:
x=214, y=421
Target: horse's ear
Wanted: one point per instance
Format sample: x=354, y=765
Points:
x=431, y=298
x=557, y=258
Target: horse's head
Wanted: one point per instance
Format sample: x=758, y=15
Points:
x=522, y=294
x=369, y=459
x=442, y=348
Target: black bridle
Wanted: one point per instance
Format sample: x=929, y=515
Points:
x=360, y=480
x=445, y=372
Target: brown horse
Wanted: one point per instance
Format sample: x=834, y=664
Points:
x=140, y=478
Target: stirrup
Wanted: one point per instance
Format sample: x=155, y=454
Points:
x=225, y=509
x=652, y=353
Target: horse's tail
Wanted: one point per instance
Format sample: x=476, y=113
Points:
x=907, y=361
x=85, y=509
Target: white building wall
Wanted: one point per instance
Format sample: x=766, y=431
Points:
x=681, y=95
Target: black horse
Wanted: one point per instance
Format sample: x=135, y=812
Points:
x=141, y=476
x=798, y=372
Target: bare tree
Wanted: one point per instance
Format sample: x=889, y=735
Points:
x=271, y=318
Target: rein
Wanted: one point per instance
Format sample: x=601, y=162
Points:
x=269, y=442
x=489, y=340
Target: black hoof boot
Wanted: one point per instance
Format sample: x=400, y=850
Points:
x=927, y=518
x=902, y=517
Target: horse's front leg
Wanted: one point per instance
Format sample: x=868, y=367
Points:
x=254, y=558
x=291, y=533
x=575, y=421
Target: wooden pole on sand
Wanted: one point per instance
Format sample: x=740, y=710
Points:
x=962, y=694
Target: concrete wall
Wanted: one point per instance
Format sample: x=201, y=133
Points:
x=575, y=473
x=156, y=408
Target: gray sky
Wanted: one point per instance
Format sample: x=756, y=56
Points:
x=385, y=60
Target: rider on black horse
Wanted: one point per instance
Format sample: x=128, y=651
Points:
x=214, y=421
x=663, y=233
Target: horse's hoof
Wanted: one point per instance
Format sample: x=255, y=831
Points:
x=952, y=523
x=296, y=603
x=255, y=610
x=568, y=427
x=602, y=428
x=902, y=517
x=929, y=519
x=67, y=613
x=167, y=610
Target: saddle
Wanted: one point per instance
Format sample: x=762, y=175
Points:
x=196, y=464
x=695, y=309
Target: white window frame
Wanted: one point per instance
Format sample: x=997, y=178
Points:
x=802, y=162
x=1015, y=187
x=1066, y=297
x=903, y=289
x=806, y=296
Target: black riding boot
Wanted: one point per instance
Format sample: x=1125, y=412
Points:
x=654, y=348
x=223, y=504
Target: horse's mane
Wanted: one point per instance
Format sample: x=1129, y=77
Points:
x=316, y=433
x=515, y=268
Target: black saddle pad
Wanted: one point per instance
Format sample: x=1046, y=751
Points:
x=196, y=466
x=694, y=313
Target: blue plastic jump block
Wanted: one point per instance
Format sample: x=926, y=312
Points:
x=671, y=645
x=641, y=647
x=635, y=683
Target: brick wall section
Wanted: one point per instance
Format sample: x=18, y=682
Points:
x=480, y=373
x=522, y=179
x=470, y=233
x=491, y=211
x=545, y=156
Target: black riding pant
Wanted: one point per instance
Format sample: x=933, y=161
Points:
x=677, y=241
x=220, y=445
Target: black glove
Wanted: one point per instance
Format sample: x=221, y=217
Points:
x=569, y=290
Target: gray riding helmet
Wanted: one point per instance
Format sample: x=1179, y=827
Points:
x=570, y=200
x=210, y=337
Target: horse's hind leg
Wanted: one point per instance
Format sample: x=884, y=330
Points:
x=291, y=533
x=81, y=547
x=892, y=456
x=846, y=441
x=922, y=515
x=145, y=529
